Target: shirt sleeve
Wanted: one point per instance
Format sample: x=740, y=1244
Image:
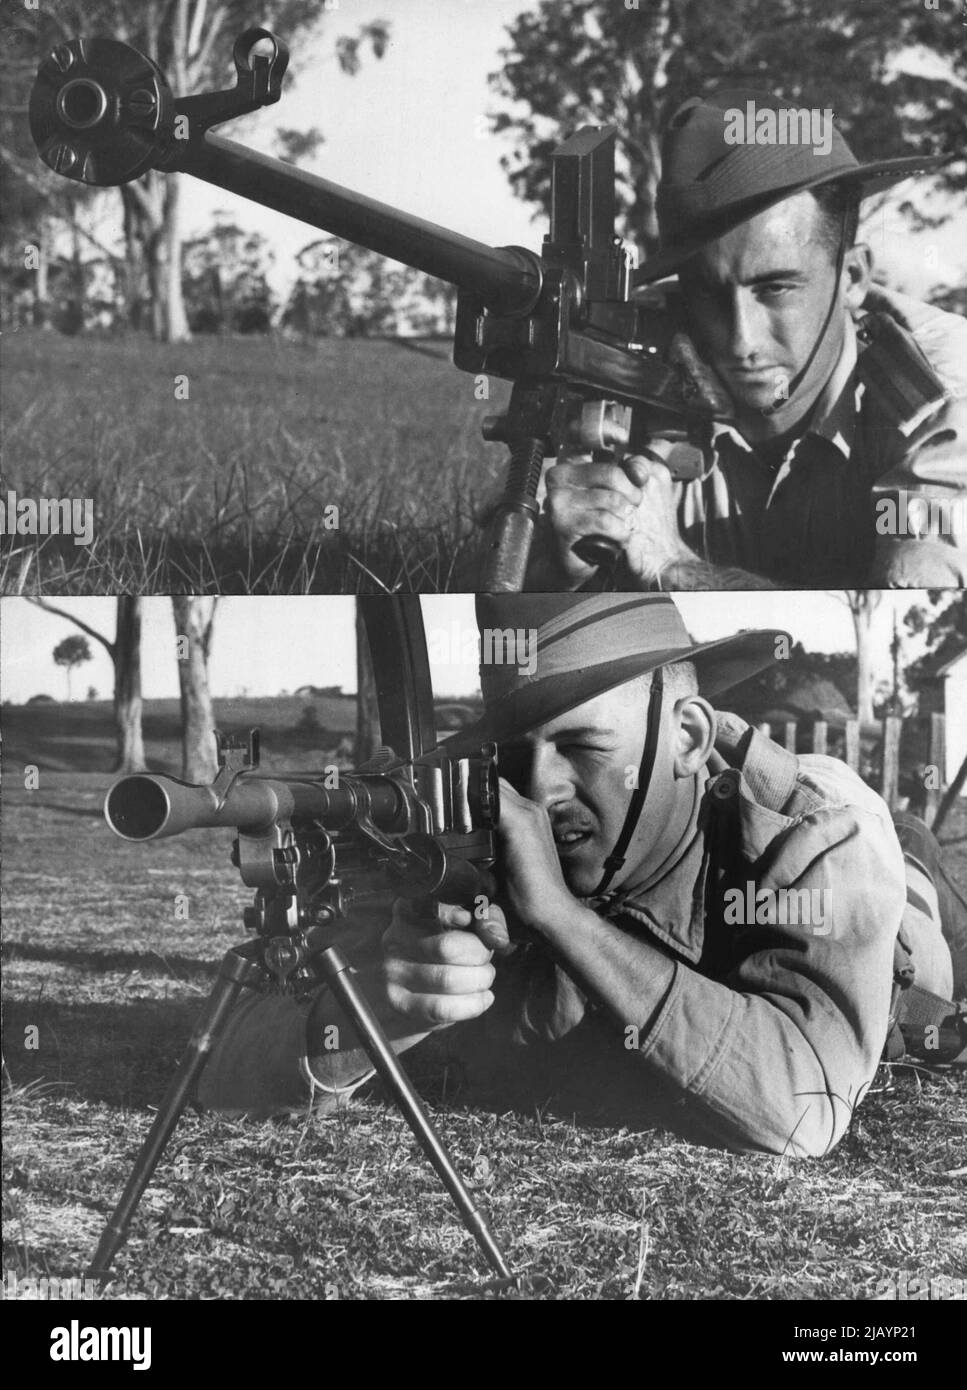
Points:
x=777, y=1053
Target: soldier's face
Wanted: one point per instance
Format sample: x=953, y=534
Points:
x=757, y=299
x=580, y=768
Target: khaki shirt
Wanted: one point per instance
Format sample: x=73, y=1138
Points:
x=768, y=1035
x=859, y=499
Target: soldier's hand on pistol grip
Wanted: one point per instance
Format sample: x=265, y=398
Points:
x=436, y=969
x=632, y=502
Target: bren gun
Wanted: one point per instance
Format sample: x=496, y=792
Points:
x=562, y=325
x=420, y=825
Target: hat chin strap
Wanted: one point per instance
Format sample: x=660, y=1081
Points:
x=800, y=376
x=646, y=768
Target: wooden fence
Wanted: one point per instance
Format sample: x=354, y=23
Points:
x=879, y=752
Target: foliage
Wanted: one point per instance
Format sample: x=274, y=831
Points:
x=944, y=622
x=72, y=651
x=191, y=41
x=571, y=62
x=346, y=291
x=225, y=280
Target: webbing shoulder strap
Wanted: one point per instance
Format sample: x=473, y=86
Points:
x=896, y=373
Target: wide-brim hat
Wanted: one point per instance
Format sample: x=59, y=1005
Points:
x=709, y=185
x=545, y=654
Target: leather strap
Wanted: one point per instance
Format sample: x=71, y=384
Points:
x=616, y=858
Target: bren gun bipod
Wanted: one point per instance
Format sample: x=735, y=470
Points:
x=421, y=826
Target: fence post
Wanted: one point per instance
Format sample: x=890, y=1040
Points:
x=936, y=766
x=852, y=749
x=819, y=736
x=765, y=729
x=790, y=734
x=892, y=726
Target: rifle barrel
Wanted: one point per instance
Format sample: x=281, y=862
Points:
x=508, y=279
x=147, y=806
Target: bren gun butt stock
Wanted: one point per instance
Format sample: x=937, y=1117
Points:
x=312, y=846
x=562, y=326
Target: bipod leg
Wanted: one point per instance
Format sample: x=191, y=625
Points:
x=236, y=970
x=335, y=969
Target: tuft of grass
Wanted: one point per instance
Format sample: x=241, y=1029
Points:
x=227, y=491
x=347, y=1207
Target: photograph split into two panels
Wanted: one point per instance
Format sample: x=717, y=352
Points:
x=483, y=652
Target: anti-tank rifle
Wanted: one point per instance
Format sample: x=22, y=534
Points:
x=592, y=369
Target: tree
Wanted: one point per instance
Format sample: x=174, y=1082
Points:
x=41, y=211
x=226, y=285
x=125, y=654
x=347, y=291
x=72, y=651
x=942, y=620
x=862, y=605
x=575, y=62
x=191, y=41
x=194, y=631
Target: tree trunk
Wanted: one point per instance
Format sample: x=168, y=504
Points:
x=174, y=316
x=127, y=686
x=862, y=603
x=40, y=310
x=193, y=630
x=367, y=705
x=134, y=266
x=74, y=315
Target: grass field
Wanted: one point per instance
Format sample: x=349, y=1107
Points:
x=346, y=1207
x=227, y=490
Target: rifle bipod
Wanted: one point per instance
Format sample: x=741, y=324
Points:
x=243, y=966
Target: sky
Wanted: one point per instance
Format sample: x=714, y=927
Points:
x=410, y=130
x=264, y=646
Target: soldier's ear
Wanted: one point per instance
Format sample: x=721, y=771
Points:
x=857, y=274
x=694, y=735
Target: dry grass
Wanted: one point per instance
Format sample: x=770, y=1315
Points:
x=346, y=1207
